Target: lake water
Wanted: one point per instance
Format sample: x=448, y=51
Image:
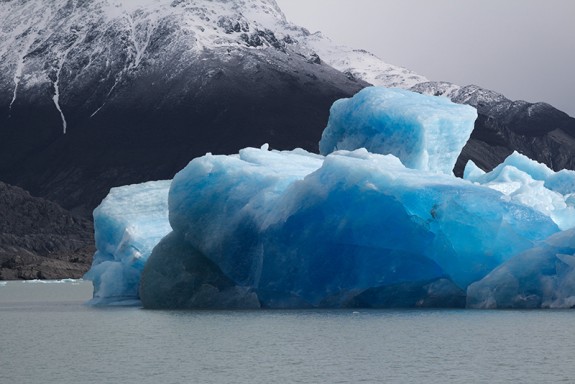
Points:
x=49, y=336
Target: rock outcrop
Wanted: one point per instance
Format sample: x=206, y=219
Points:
x=41, y=240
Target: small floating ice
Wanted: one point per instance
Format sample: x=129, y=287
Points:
x=61, y=281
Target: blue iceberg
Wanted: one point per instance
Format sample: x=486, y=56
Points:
x=533, y=184
x=544, y=275
x=353, y=228
x=128, y=224
x=297, y=230
x=541, y=277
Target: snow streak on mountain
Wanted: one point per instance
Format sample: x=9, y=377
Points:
x=101, y=93
x=54, y=48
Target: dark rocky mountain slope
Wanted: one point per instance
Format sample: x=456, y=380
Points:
x=106, y=93
x=96, y=94
x=39, y=239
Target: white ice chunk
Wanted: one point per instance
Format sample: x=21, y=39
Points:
x=533, y=184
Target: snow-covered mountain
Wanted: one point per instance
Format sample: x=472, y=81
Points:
x=105, y=92
x=55, y=48
x=360, y=64
x=98, y=93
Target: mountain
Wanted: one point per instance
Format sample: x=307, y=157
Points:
x=361, y=64
x=39, y=239
x=95, y=94
x=101, y=93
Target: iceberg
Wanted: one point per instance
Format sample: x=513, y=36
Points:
x=349, y=228
x=424, y=132
x=178, y=276
x=541, y=277
x=544, y=275
x=128, y=224
x=533, y=184
x=293, y=229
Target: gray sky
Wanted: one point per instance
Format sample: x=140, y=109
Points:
x=524, y=49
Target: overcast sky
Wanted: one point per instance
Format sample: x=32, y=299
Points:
x=524, y=49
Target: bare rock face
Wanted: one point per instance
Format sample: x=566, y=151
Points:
x=41, y=240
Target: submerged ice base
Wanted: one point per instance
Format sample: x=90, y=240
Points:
x=541, y=277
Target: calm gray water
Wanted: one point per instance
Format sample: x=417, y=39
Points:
x=49, y=336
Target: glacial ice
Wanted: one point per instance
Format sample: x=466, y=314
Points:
x=533, y=184
x=425, y=133
x=128, y=223
x=541, y=277
x=285, y=229
x=299, y=230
